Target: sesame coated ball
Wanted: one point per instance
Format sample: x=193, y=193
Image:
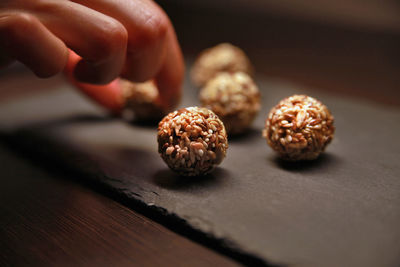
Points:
x=299, y=128
x=234, y=97
x=192, y=141
x=223, y=57
x=142, y=100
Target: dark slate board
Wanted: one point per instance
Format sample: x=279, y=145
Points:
x=341, y=210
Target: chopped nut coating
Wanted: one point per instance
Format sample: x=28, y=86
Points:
x=299, y=128
x=234, y=97
x=142, y=100
x=223, y=57
x=192, y=141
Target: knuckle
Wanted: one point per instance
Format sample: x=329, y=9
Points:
x=23, y=19
x=153, y=30
x=118, y=33
x=20, y=24
x=111, y=40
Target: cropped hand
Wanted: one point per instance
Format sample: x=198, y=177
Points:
x=133, y=39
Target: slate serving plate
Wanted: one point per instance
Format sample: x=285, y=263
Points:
x=340, y=210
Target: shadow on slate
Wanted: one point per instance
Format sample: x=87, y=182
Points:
x=340, y=210
x=321, y=164
x=169, y=180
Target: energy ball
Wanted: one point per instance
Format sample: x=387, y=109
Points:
x=142, y=100
x=234, y=97
x=223, y=57
x=299, y=128
x=192, y=141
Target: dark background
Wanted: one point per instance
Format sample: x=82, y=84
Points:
x=346, y=47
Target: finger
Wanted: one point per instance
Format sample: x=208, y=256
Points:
x=170, y=77
x=99, y=39
x=23, y=37
x=147, y=26
x=108, y=96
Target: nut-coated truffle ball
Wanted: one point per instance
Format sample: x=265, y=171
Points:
x=234, y=97
x=223, y=57
x=142, y=100
x=192, y=141
x=299, y=128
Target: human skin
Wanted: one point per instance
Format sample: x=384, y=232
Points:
x=133, y=39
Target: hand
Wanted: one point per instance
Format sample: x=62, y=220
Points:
x=133, y=39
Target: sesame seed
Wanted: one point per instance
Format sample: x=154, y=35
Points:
x=169, y=150
x=200, y=152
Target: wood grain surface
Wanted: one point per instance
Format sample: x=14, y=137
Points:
x=48, y=219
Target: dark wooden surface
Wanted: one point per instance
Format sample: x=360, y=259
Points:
x=49, y=219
